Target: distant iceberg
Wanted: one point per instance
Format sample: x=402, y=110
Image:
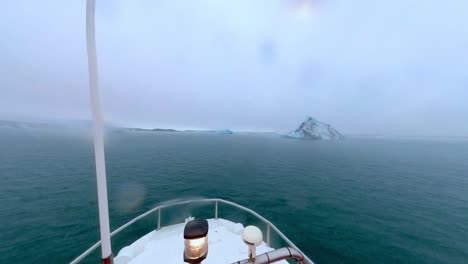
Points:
x=316, y=130
x=225, y=131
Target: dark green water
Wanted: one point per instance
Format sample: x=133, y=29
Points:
x=352, y=201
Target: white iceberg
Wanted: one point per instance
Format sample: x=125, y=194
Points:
x=314, y=129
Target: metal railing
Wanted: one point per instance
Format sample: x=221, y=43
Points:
x=216, y=202
x=275, y=255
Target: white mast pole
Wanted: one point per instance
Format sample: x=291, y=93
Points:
x=98, y=134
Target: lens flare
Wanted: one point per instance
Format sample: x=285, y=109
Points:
x=303, y=8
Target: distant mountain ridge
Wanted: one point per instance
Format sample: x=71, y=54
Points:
x=309, y=129
x=153, y=129
x=223, y=131
x=57, y=124
x=315, y=130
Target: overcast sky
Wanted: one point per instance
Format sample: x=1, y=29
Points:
x=395, y=67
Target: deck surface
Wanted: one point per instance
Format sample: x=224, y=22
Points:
x=225, y=245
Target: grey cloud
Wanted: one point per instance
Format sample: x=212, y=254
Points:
x=395, y=67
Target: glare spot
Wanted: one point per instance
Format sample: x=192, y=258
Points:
x=129, y=197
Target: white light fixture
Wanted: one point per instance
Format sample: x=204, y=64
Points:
x=253, y=237
x=196, y=241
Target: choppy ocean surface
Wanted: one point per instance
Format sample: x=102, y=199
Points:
x=351, y=201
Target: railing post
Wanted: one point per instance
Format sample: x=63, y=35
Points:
x=268, y=235
x=159, y=218
x=216, y=209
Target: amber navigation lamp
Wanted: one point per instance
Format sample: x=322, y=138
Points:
x=196, y=241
